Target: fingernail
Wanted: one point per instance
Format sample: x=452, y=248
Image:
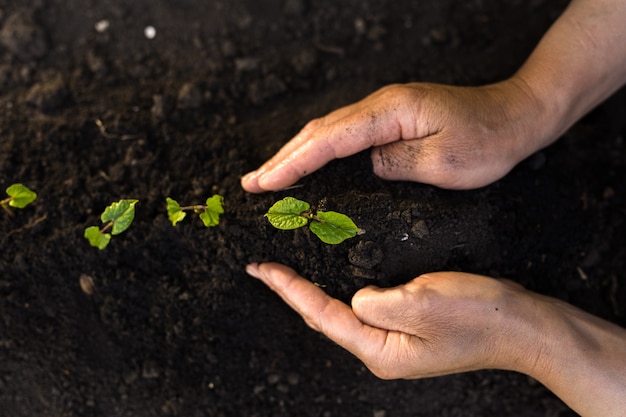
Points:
x=249, y=176
x=253, y=270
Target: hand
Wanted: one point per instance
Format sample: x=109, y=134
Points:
x=437, y=324
x=451, y=137
x=450, y=322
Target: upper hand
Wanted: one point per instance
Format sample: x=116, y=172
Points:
x=451, y=137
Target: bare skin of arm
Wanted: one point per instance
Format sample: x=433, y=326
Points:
x=451, y=322
x=468, y=137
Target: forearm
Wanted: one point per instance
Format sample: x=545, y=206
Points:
x=579, y=357
x=579, y=62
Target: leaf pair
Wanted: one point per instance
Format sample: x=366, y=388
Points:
x=331, y=227
x=209, y=213
x=19, y=197
x=117, y=218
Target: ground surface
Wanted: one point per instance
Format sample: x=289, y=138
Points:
x=171, y=325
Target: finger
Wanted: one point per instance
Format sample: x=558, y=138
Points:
x=320, y=311
x=345, y=133
x=250, y=181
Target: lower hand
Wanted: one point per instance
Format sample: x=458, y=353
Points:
x=437, y=324
x=450, y=322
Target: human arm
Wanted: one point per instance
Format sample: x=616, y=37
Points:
x=467, y=137
x=449, y=322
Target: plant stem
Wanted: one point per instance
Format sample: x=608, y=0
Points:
x=196, y=208
x=5, y=205
x=106, y=227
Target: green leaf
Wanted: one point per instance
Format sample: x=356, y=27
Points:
x=96, y=238
x=286, y=214
x=174, y=213
x=333, y=227
x=121, y=213
x=211, y=214
x=21, y=196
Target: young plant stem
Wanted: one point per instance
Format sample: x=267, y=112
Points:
x=197, y=208
x=5, y=205
x=107, y=226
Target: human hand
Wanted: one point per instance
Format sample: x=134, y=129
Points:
x=437, y=324
x=450, y=322
x=451, y=137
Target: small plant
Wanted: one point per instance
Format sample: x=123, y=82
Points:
x=19, y=197
x=331, y=227
x=209, y=212
x=117, y=217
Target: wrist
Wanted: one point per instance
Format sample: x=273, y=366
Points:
x=534, y=120
x=579, y=357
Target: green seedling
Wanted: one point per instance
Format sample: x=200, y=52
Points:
x=331, y=227
x=19, y=197
x=209, y=212
x=117, y=217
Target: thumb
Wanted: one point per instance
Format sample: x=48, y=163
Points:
x=386, y=308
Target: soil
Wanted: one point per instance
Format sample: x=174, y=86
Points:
x=165, y=322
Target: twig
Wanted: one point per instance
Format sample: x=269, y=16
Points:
x=30, y=225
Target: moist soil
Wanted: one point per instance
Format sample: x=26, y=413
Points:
x=165, y=322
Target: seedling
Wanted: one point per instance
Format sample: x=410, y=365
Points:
x=19, y=197
x=331, y=227
x=117, y=217
x=209, y=212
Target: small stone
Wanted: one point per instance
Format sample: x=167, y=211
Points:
x=420, y=229
x=101, y=26
x=87, y=284
x=149, y=32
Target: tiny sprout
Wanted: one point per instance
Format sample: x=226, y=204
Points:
x=209, y=212
x=19, y=197
x=331, y=227
x=117, y=217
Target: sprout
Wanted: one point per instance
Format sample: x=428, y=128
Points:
x=209, y=212
x=117, y=218
x=331, y=227
x=19, y=197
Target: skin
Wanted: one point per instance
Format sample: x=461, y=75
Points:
x=463, y=138
x=450, y=322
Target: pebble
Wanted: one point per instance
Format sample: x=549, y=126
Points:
x=420, y=229
x=149, y=32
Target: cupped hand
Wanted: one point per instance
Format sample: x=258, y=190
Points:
x=437, y=324
x=451, y=137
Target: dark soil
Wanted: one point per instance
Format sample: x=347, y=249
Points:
x=171, y=325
